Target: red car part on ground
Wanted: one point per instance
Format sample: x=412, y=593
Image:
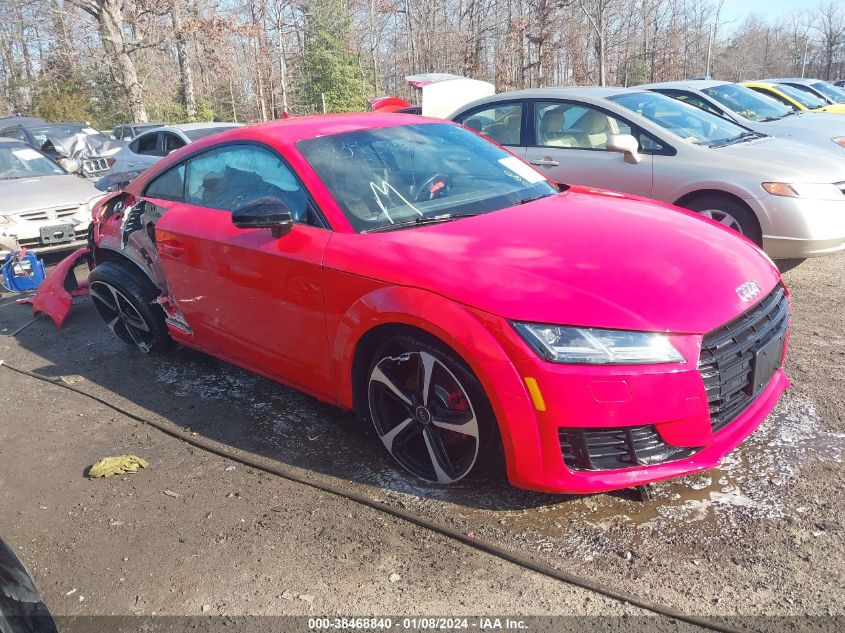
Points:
x=441, y=327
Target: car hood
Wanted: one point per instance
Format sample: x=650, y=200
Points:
x=784, y=158
x=25, y=194
x=583, y=257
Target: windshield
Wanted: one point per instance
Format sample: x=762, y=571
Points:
x=417, y=173
x=747, y=103
x=804, y=98
x=682, y=120
x=205, y=131
x=831, y=92
x=21, y=161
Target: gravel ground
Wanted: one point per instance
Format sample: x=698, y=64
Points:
x=757, y=538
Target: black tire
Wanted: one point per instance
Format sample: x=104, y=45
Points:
x=126, y=301
x=472, y=445
x=745, y=218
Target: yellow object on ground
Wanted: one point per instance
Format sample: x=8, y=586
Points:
x=123, y=464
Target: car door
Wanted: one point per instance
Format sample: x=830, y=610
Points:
x=249, y=297
x=568, y=143
x=143, y=151
x=502, y=122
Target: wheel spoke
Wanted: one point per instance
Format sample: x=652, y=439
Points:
x=135, y=320
x=439, y=458
x=427, y=369
x=106, y=298
x=379, y=376
x=388, y=437
x=467, y=426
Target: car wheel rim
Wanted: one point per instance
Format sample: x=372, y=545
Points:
x=121, y=316
x=424, y=417
x=723, y=217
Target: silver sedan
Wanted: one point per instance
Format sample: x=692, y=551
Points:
x=742, y=105
x=786, y=196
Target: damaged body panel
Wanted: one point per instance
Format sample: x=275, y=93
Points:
x=69, y=143
x=55, y=295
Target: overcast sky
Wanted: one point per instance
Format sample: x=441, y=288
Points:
x=736, y=10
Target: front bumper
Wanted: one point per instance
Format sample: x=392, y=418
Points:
x=24, y=234
x=799, y=228
x=664, y=407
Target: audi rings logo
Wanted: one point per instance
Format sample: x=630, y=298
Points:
x=747, y=291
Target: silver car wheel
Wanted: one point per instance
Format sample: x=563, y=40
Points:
x=723, y=217
x=121, y=316
x=424, y=417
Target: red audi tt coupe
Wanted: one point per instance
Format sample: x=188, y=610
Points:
x=474, y=314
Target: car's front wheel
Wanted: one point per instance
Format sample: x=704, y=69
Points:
x=728, y=212
x=125, y=299
x=430, y=411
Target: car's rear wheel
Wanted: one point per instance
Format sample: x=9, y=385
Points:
x=430, y=411
x=125, y=299
x=728, y=212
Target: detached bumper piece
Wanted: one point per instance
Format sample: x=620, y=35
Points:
x=617, y=447
x=739, y=359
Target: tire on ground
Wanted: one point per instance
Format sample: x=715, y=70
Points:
x=142, y=294
x=490, y=460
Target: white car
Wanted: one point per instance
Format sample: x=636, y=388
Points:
x=151, y=145
x=42, y=207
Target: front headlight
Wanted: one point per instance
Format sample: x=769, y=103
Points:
x=820, y=191
x=839, y=140
x=5, y=219
x=578, y=345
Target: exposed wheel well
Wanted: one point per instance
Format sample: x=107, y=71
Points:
x=101, y=255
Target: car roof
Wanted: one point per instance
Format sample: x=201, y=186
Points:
x=202, y=126
x=594, y=92
x=694, y=84
x=794, y=80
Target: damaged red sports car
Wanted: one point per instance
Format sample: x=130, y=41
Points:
x=472, y=313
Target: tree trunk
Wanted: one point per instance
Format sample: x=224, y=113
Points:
x=109, y=16
x=184, y=64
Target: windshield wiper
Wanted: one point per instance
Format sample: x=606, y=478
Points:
x=739, y=138
x=435, y=219
x=533, y=198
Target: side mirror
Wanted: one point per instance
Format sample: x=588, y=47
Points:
x=265, y=213
x=626, y=144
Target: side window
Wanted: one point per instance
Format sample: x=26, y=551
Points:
x=695, y=100
x=169, y=186
x=146, y=145
x=558, y=124
x=501, y=123
x=172, y=142
x=232, y=176
x=776, y=97
x=15, y=133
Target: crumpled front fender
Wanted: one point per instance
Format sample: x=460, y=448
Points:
x=54, y=296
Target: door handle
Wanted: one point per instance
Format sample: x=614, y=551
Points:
x=545, y=162
x=171, y=248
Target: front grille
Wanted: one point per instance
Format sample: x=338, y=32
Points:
x=40, y=215
x=727, y=356
x=95, y=165
x=617, y=447
x=35, y=242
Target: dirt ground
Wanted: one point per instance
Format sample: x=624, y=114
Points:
x=198, y=535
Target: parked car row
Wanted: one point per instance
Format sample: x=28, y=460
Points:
x=719, y=149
